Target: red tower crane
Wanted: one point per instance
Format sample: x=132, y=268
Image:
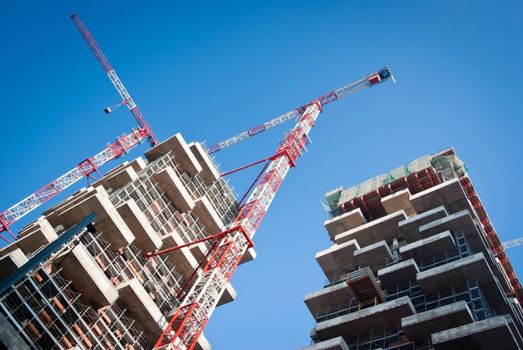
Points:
x=228, y=248
x=115, y=80
x=121, y=146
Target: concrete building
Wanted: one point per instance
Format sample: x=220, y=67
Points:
x=415, y=263
x=98, y=291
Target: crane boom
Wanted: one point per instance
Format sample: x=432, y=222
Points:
x=114, y=150
x=512, y=243
x=115, y=80
x=332, y=96
x=199, y=302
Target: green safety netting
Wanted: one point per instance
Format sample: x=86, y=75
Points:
x=442, y=163
x=331, y=199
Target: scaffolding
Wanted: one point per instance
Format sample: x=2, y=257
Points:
x=157, y=275
x=46, y=312
x=163, y=216
x=421, y=174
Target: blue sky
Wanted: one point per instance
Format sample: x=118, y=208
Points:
x=213, y=69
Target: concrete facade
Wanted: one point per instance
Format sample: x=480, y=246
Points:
x=98, y=291
x=414, y=265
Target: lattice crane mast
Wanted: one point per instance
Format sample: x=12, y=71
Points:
x=228, y=248
x=115, y=80
x=292, y=115
x=114, y=150
x=119, y=147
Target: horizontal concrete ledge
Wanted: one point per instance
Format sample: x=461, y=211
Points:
x=328, y=298
x=34, y=236
x=448, y=193
x=179, y=148
x=338, y=256
x=142, y=309
x=202, y=343
x=174, y=188
x=377, y=230
x=386, y=315
x=249, y=255
x=433, y=247
x=424, y=218
x=374, y=255
x=492, y=333
x=337, y=343
x=455, y=274
x=399, y=274
x=344, y=222
x=210, y=172
x=11, y=262
x=409, y=228
x=86, y=277
x=229, y=295
x=420, y=326
x=398, y=201
x=453, y=222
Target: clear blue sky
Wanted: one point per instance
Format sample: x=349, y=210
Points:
x=210, y=70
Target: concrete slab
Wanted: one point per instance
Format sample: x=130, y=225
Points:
x=137, y=165
x=209, y=172
x=460, y=221
x=9, y=336
x=182, y=259
x=179, y=148
x=381, y=229
x=329, y=298
x=142, y=309
x=337, y=343
x=344, y=222
x=398, y=201
x=449, y=193
x=34, y=236
x=146, y=238
x=108, y=220
x=208, y=216
x=87, y=278
x=492, y=333
x=202, y=343
x=336, y=258
x=435, y=247
x=70, y=201
x=398, y=275
x=456, y=274
x=420, y=326
x=375, y=255
x=409, y=227
x=229, y=295
x=174, y=188
x=373, y=319
x=249, y=255
x=11, y=261
x=117, y=179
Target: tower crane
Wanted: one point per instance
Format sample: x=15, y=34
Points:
x=294, y=114
x=86, y=168
x=127, y=100
x=229, y=246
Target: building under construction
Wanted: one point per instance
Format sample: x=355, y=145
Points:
x=141, y=258
x=415, y=264
x=97, y=291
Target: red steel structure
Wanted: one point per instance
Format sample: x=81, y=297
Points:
x=115, y=80
x=228, y=248
x=86, y=168
x=89, y=166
